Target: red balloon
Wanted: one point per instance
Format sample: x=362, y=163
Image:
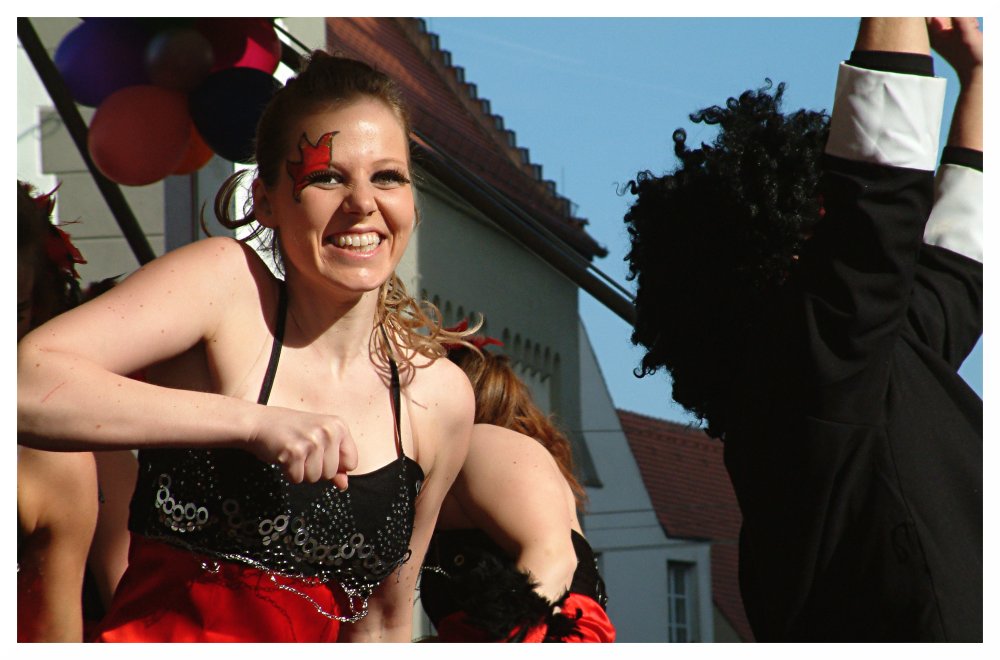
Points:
x=140, y=134
x=242, y=42
x=198, y=154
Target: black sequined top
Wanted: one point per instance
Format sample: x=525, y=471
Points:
x=227, y=504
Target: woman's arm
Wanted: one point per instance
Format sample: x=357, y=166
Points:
x=73, y=393
x=511, y=488
x=441, y=414
x=72, y=388
x=58, y=524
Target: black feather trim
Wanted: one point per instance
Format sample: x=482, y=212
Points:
x=471, y=575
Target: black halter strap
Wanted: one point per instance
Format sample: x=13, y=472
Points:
x=394, y=391
x=279, y=336
x=272, y=366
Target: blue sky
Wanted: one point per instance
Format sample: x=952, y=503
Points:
x=596, y=100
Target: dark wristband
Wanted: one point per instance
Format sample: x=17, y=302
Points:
x=893, y=62
x=972, y=158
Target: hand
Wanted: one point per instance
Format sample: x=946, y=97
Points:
x=960, y=42
x=306, y=446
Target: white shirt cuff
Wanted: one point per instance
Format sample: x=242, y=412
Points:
x=886, y=118
x=956, y=221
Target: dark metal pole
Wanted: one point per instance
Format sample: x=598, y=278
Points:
x=67, y=109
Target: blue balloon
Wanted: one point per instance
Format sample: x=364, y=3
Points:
x=101, y=56
x=226, y=108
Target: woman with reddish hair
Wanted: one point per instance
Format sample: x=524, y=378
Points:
x=508, y=560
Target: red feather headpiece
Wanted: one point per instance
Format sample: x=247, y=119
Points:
x=479, y=341
x=58, y=246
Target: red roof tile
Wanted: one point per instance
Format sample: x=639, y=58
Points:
x=445, y=108
x=684, y=474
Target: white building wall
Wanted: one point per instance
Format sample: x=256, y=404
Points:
x=621, y=524
x=468, y=266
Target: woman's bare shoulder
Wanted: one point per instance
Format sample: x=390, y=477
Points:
x=497, y=447
x=443, y=409
x=220, y=255
x=441, y=384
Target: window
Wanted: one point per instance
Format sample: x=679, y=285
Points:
x=681, y=602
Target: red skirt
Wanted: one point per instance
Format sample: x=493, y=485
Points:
x=171, y=595
x=591, y=621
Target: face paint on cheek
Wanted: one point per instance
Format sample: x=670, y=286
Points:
x=314, y=158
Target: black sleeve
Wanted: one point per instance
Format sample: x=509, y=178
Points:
x=856, y=274
x=946, y=311
x=893, y=62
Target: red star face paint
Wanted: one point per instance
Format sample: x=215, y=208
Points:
x=315, y=158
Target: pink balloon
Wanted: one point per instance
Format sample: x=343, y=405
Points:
x=242, y=42
x=140, y=134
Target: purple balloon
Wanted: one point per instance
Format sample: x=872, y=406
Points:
x=101, y=56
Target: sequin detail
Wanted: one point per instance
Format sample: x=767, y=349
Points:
x=178, y=516
x=226, y=504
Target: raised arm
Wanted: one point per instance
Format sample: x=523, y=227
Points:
x=960, y=42
x=900, y=35
x=947, y=308
x=857, y=270
x=956, y=223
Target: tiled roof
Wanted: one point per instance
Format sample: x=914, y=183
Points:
x=686, y=479
x=446, y=109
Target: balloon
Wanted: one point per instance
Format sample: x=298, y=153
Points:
x=101, y=56
x=226, y=109
x=242, y=42
x=140, y=134
x=156, y=25
x=263, y=49
x=179, y=59
x=198, y=153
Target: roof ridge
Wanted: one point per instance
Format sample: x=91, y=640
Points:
x=652, y=428
x=491, y=124
x=660, y=420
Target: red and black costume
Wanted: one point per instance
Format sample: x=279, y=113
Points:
x=225, y=548
x=473, y=592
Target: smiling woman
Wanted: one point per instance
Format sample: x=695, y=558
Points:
x=275, y=501
x=347, y=205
